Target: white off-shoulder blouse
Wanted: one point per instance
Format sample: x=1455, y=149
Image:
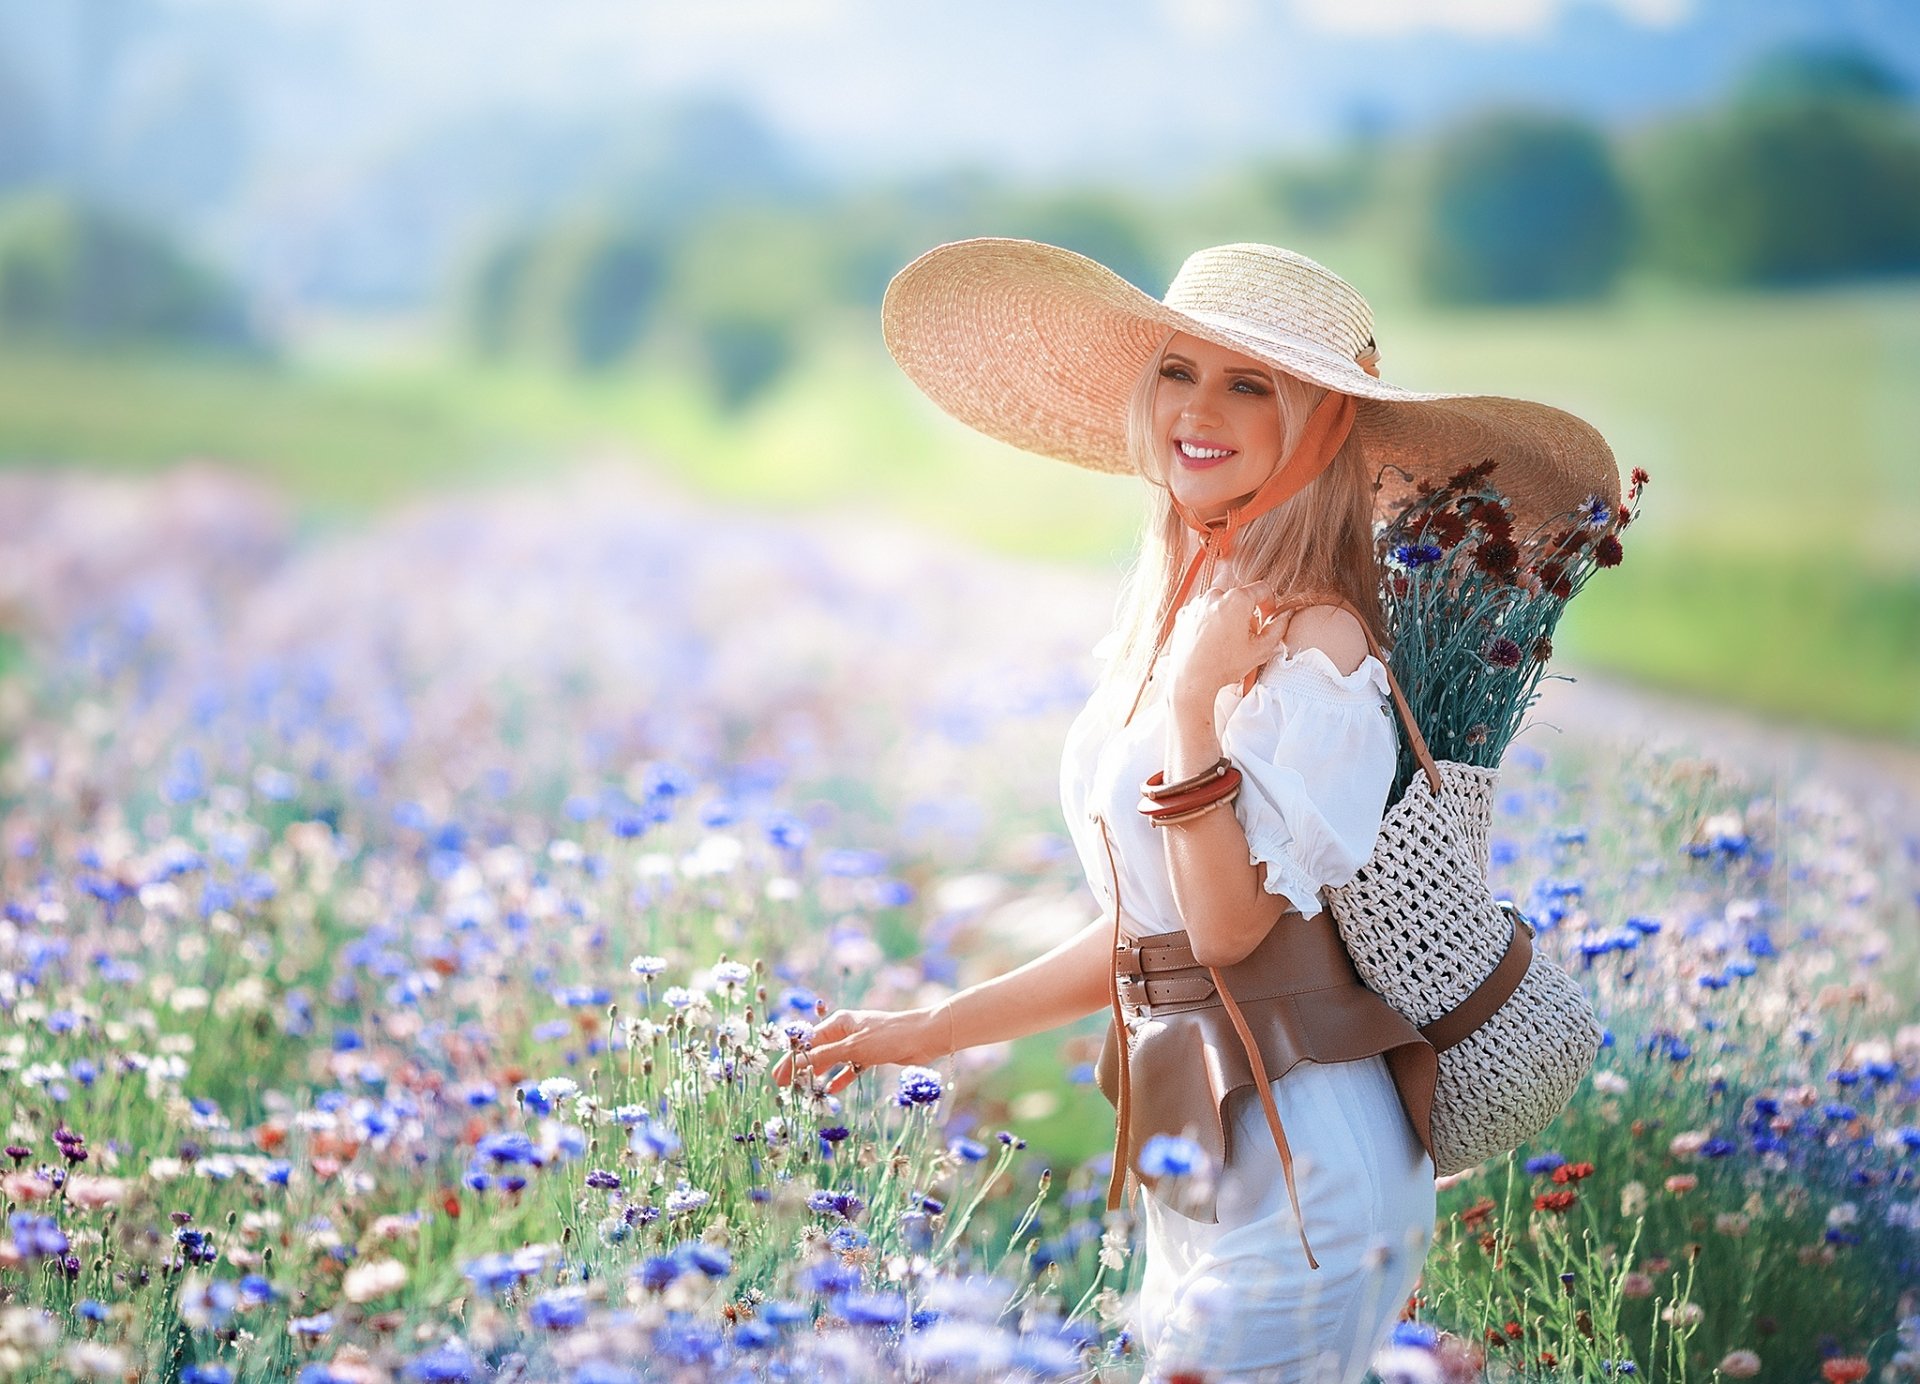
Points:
x=1316, y=750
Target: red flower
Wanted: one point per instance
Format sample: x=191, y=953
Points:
x=1542, y=649
x=1477, y=1212
x=1844, y=1369
x=1555, y=1201
x=1572, y=1172
x=450, y=1202
x=1606, y=552
x=1513, y=1330
x=1447, y=529
x=1548, y=1358
x=1497, y=556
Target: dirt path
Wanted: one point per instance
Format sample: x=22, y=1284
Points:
x=1601, y=709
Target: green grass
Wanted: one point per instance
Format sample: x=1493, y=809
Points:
x=1771, y=566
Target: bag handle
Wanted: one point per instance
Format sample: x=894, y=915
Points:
x=1296, y=602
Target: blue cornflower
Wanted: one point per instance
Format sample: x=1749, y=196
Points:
x=918, y=1086
x=1169, y=1155
x=828, y=1276
x=507, y=1146
x=659, y=1271
x=653, y=1138
x=37, y=1236
x=1415, y=1334
x=559, y=1310
x=873, y=1309
x=446, y=1363
x=711, y=1260
x=756, y=1335
x=1544, y=1163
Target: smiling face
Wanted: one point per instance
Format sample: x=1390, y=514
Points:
x=1216, y=424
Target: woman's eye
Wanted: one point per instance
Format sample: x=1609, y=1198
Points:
x=1173, y=372
x=1252, y=388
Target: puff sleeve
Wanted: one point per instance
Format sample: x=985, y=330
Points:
x=1316, y=750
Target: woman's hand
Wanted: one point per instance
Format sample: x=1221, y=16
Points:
x=858, y=1039
x=1221, y=635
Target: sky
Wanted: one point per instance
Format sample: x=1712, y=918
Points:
x=1143, y=86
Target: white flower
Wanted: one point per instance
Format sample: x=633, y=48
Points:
x=373, y=1278
x=647, y=965
x=686, y=1198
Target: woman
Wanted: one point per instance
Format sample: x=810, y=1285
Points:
x=1250, y=403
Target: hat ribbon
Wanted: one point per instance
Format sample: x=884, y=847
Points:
x=1326, y=432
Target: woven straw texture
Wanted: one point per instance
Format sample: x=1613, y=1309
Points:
x=1507, y=1081
x=1039, y=347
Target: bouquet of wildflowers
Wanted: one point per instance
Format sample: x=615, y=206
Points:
x=1471, y=607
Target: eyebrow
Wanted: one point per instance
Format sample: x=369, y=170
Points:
x=1258, y=374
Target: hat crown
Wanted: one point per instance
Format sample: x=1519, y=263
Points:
x=1281, y=292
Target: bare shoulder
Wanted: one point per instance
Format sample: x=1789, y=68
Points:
x=1333, y=630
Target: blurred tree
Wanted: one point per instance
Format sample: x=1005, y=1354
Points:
x=1796, y=72
x=82, y=275
x=746, y=352
x=1326, y=194
x=1785, y=191
x=1101, y=225
x=579, y=294
x=491, y=292
x=1521, y=206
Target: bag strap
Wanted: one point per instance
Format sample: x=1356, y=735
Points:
x=1294, y=603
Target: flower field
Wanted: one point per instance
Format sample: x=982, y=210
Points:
x=400, y=923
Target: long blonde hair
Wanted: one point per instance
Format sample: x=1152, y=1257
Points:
x=1320, y=539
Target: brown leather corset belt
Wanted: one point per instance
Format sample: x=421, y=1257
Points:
x=1199, y=1033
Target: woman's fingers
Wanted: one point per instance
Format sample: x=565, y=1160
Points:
x=830, y=1046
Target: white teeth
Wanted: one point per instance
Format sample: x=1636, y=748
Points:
x=1204, y=453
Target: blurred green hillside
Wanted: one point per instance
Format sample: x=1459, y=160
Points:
x=1731, y=295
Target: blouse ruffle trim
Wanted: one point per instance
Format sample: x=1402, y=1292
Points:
x=1271, y=847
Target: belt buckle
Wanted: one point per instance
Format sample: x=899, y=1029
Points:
x=1520, y=919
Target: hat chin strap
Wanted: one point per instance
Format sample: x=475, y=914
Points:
x=1326, y=432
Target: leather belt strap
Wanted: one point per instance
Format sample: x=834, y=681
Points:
x=1122, y=1169
x=1487, y=997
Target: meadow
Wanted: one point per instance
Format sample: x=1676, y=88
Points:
x=400, y=920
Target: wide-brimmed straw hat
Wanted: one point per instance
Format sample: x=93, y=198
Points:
x=1040, y=347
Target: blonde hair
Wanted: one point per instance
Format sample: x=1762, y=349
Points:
x=1320, y=539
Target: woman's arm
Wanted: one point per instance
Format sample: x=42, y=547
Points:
x=1222, y=899
x=1065, y=984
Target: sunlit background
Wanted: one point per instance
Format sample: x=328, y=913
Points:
x=365, y=250
x=483, y=621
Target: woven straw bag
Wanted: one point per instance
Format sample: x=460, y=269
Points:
x=1514, y=1032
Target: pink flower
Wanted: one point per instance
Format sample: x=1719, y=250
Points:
x=26, y=1186
x=1740, y=1364
x=90, y=1192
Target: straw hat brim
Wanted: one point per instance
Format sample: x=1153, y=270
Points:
x=1040, y=347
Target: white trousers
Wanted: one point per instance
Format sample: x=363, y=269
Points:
x=1236, y=1301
